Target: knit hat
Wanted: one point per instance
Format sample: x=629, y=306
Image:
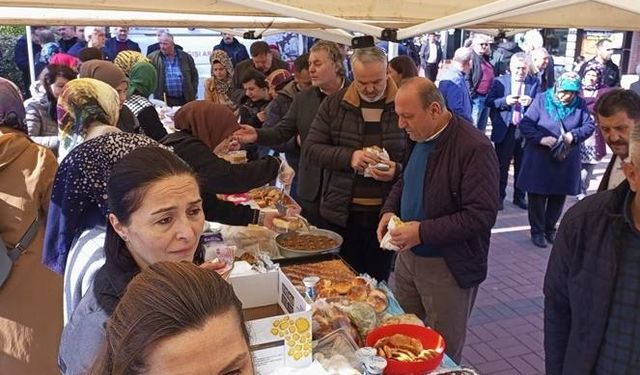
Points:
x=278, y=78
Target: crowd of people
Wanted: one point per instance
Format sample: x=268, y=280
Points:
x=119, y=203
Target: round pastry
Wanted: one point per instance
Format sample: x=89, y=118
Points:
x=358, y=293
x=342, y=287
x=287, y=223
x=323, y=283
x=378, y=300
x=361, y=281
x=327, y=292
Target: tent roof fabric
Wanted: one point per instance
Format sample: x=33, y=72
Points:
x=592, y=14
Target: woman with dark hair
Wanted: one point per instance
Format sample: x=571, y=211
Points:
x=557, y=119
x=76, y=226
x=28, y=340
x=205, y=130
x=42, y=111
x=401, y=68
x=143, y=80
x=155, y=214
x=87, y=108
x=167, y=312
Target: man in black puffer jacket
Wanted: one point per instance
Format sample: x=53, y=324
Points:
x=359, y=116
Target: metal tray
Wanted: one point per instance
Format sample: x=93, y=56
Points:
x=293, y=253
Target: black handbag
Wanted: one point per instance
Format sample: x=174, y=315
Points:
x=561, y=149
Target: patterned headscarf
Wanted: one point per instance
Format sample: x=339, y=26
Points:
x=568, y=81
x=84, y=101
x=12, y=113
x=79, y=197
x=209, y=122
x=125, y=60
x=48, y=51
x=143, y=78
x=599, y=70
x=220, y=56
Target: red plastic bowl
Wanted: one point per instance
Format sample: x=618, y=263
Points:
x=430, y=340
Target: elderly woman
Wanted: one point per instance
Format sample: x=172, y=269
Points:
x=28, y=342
x=42, y=111
x=49, y=50
x=183, y=306
x=76, y=225
x=593, y=149
x=143, y=81
x=219, y=88
x=108, y=73
x=155, y=214
x=555, y=124
x=87, y=108
x=206, y=129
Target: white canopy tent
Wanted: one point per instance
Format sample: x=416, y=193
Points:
x=412, y=17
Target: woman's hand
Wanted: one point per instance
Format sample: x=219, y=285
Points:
x=568, y=138
x=548, y=141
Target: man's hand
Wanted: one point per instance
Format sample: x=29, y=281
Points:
x=384, y=176
x=406, y=236
x=361, y=159
x=548, y=141
x=511, y=99
x=525, y=100
x=246, y=134
x=262, y=115
x=382, y=225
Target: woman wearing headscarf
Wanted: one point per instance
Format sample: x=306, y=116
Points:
x=206, y=128
x=65, y=59
x=28, y=341
x=110, y=74
x=87, y=108
x=42, y=111
x=593, y=149
x=219, y=88
x=143, y=81
x=45, y=55
x=125, y=60
x=557, y=117
x=76, y=225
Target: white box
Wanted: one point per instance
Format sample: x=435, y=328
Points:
x=278, y=319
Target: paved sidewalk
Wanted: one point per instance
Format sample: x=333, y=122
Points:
x=505, y=333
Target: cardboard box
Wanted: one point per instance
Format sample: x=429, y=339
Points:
x=278, y=319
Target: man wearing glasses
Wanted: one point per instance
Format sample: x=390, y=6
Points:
x=604, y=51
x=479, y=79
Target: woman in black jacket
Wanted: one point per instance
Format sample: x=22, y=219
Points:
x=206, y=128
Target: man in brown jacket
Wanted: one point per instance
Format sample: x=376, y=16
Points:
x=448, y=198
x=344, y=139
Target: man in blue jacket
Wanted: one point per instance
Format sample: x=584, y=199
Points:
x=453, y=86
x=119, y=43
x=592, y=284
x=508, y=99
x=237, y=51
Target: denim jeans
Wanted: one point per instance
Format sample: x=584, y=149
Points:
x=479, y=112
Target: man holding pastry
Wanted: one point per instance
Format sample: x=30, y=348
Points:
x=355, y=139
x=447, y=203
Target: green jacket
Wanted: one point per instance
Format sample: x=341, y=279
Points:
x=189, y=74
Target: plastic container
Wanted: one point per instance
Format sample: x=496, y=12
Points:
x=429, y=338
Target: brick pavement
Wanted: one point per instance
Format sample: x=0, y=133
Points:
x=505, y=333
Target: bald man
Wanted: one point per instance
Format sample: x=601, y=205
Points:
x=448, y=198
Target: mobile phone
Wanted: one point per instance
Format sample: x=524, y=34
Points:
x=382, y=167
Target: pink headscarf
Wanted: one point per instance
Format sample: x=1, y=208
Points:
x=65, y=59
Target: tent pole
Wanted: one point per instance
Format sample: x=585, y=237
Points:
x=32, y=71
x=323, y=19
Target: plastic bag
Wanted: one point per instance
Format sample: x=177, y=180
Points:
x=386, y=242
x=382, y=154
